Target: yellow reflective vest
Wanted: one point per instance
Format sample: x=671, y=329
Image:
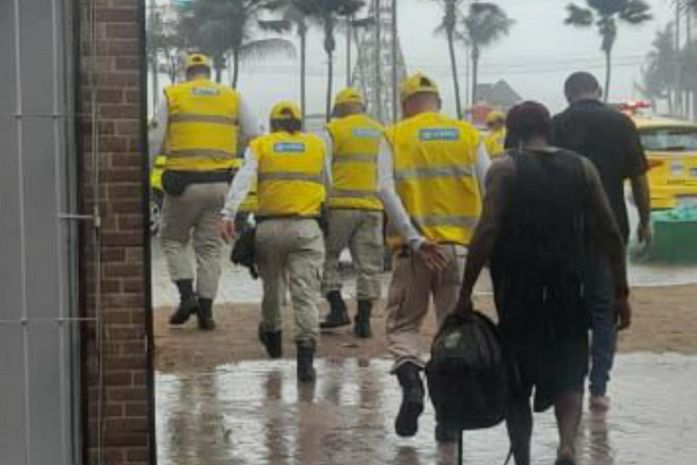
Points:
x=435, y=176
x=202, y=127
x=494, y=143
x=356, y=143
x=289, y=175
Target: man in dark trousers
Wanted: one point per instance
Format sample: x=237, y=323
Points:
x=610, y=140
x=544, y=211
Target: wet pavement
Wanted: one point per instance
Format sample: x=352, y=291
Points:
x=256, y=413
x=236, y=285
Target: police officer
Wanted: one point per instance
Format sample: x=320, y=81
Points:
x=355, y=213
x=290, y=169
x=198, y=128
x=431, y=170
x=496, y=139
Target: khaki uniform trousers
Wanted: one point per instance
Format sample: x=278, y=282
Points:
x=291, y=250
x=194, y=215
x=411, y=288
x=361, y=232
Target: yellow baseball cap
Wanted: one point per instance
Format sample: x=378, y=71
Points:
x=348, y=95
x=197, y=59
x=286, y=110
x=416, y=84
x=494, y=116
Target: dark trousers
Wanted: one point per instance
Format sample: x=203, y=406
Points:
x=604, y=330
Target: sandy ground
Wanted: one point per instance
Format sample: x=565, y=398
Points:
x=665, y=320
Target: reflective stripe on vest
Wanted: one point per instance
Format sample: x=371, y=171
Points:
x=289, y=177
x=193, y=118
x=356, y=143
x=434, y=167
x=202, y=127
x=455, y=171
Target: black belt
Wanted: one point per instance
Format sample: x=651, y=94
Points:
x=175, y=182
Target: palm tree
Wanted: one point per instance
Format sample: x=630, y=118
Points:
x=448, y=26
x=226, y=27
x=327, y=13
x=659, y=72
x=484, y=24
x=293, y=18
x=605, y=14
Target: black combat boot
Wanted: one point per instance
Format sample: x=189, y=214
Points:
x=272, y=340
x=445, y=435
x=361, y=326
x=205, y=314
x=306, y=357
x=338, y=313
x=188, y=303
x=407, y=422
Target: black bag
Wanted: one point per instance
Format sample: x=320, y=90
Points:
x=243, y=252
x=175, y=183
x=467, y=374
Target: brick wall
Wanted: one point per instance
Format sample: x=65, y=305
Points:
x=126, y=372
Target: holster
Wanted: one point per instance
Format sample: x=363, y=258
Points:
x=243, y=252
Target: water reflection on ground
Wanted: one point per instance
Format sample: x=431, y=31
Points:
x=255, y=413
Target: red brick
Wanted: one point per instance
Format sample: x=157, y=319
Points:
x=126, y=439
x=124, y=174
x=118, y=378
x=127, y=222
x=116, y=48
x=124, y=362
x=127, y=425
x=121, y=31
x=122, y=111
x=127, y=64
x=118, y=15
x=138, y=454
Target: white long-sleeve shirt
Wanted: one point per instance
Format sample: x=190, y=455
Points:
x=249, y=126
x=244, y=177
x=393, y=204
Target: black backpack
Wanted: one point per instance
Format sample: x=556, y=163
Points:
x=467, y=374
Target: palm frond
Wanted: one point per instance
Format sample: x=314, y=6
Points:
x=279, y=26
x=578, y=16
x=636, y=12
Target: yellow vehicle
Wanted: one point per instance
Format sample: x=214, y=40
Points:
x=671, y=148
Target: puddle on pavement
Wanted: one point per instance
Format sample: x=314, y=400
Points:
x=256, y=413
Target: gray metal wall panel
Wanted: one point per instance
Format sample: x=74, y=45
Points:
x=12, y=400
x=40, y=223
x=10, y=231
x=46, y=395
x=37, y=42
x=37, y=407
x=7, y=47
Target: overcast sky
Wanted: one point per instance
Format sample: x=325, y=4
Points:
x=535, y=58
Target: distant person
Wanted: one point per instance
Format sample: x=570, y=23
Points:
x=198, y=128
x=544, y=211
x=291, y=174
x=610, y=140
x=495, y=139
x=355, y=213
x=430, y=170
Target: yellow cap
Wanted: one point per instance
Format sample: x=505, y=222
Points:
x=197, y=59
x=348, y=95
x=416, y=84
x=286, y=110
x=494, y=116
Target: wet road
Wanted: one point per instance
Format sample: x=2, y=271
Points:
x=256, y=413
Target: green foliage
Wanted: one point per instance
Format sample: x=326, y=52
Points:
x=605, y=14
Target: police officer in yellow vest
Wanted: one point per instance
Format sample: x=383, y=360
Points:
x=495, y=140
x=355, y=214
x=431, y=170
x=291, y=174
x=198, y=128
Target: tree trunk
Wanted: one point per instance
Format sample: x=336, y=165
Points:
x=236, y=68
x=303, y=75
x=330, y=82
x=475, y=73
x=608, y=74
x=349, y=19
x=456, y=82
